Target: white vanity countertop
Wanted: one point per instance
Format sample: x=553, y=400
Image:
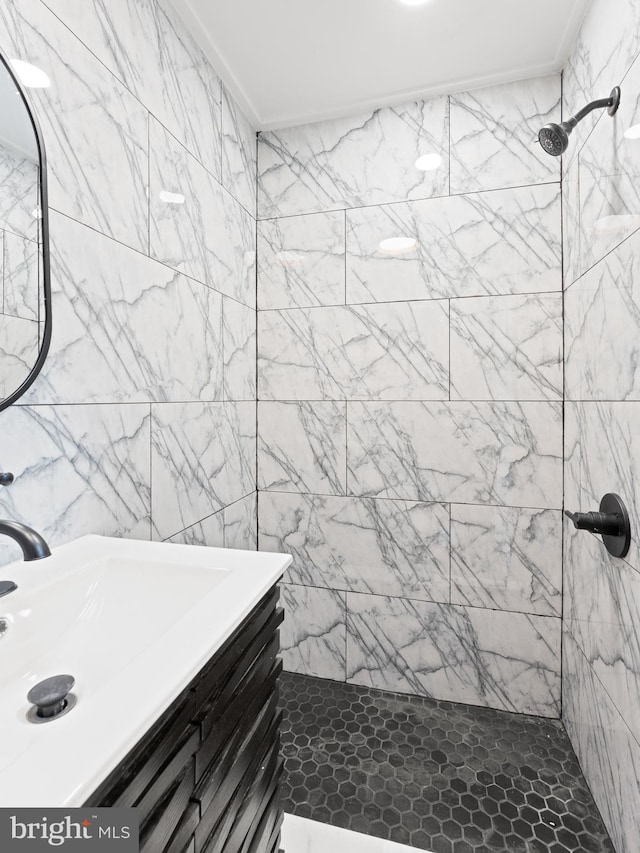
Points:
x=134, y=623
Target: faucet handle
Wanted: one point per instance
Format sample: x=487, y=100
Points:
x=6, y=479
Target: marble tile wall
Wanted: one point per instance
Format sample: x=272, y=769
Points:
x=19, y=332
x=143, y=422
x=601, y=629
x=410, y=395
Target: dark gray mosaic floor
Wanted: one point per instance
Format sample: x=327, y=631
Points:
x=436, y=775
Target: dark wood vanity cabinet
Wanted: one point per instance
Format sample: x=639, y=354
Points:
x=205, y=778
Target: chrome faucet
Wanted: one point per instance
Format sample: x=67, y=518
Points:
x=33, y=545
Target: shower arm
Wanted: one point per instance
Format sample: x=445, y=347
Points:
x=600, y=104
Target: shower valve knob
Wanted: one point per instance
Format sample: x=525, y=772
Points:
x=6, y=479
x=611, y=522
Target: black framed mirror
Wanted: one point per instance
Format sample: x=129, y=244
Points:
x=25, y=282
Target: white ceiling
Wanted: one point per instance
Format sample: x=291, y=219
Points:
x=294, y=61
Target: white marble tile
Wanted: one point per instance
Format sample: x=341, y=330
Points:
x=239, y=330
x=239, y=153
x=313, y=635
x=571, y=223
x=19, y=193
x=202, y=459
x=209, y=531
x=499, y=453
x=126, y=328
x=382, y=547
x=507, y=348
x=301, y=261
x=602, y=609
x=302, y=447
x=493, y=658
x=349, y=162
x=19, y=347
x=144, y=43
x=494, y=135
x=608, y=754
x=508, y=241
x=241, y=524
x=602, y=328
x=201, y=230
x=602, y=454
x=606, y=46
x=609, y=170
x=300, y=835
x=21, y=277
x=78, y=469
x=385, y=352
x=96, y=132
x=235, y=526
x=507, y=559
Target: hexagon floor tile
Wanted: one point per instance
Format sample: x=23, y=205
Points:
x=438, y=776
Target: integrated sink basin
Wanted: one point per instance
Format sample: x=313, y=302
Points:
x=132, y=622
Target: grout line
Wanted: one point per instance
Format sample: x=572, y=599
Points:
x=347, y=592
x=445, y=196
x=435, y=299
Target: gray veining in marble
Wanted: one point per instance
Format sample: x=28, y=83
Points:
x=507, y=348
x=507, y=559
x=302, y=446
x=359, y=544
x=502, y=242
x=606, y=46
x=20, y=270
x=155, y=334
x=602, y=327
x=394, y=351
x=302, y=261
x=609, y=166
x=202, y=459
x=19, y=345
x=19, y=193
x=314, y=633
x=239, y=154
x=78, y=469
x=602, y=611
x=239, y=331
x=606, y=750
x=349, y=162
x=499, y=453
x=144, y=43
x=494, y=135
x=199, y=229
x=602, y=454
x=501, y=660
x=96, y=132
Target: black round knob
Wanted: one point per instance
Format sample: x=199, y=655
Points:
x=50, y=696
x=6, y=479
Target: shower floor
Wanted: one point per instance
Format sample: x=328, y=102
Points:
x=434, y=775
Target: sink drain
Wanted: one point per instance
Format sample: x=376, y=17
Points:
x=51, y=699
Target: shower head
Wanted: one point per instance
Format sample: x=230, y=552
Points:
x=554, y=138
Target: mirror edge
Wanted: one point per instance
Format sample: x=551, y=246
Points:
x=44, y=222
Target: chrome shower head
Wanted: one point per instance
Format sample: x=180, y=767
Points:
x=554, y=138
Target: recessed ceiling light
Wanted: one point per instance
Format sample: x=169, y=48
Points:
x=414, y=2
x=397, y=245
x=30, y=75
x=428, y=162
x=171, y=198
x=633, y=132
